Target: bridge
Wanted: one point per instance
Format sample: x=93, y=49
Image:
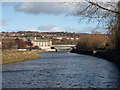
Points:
x=63, y=47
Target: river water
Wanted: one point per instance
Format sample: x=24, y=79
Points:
x=61, y=70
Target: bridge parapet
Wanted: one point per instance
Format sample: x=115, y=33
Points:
x=63, y=47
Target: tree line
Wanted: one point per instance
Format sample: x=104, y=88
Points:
x=15, y=44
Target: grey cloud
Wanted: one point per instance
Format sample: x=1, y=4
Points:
x=36, y=30
x=45, y=7
x=49, y=28
x=52, y=7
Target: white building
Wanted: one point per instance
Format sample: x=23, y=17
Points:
x=42, y=43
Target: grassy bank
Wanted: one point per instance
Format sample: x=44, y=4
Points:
x=11, y=56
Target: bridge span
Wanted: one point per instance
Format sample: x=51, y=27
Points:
x=63, y=47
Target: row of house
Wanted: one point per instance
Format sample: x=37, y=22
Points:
x=69, y=38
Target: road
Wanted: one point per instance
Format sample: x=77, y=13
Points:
x=61, y=70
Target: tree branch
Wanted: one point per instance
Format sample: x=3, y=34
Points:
x=113, y=11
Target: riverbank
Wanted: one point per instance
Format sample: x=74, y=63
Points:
x=12, y=56
x=111, y=56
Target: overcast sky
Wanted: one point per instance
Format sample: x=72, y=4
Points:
x=43, y=17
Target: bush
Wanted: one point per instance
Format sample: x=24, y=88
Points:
x=94, y=41
x=35, y=47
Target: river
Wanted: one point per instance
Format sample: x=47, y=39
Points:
x=61, y=70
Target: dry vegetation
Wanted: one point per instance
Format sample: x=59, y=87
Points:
x=10, y=56
x=92, y=42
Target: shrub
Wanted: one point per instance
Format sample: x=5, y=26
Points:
x=35, y=47
x=94, y=41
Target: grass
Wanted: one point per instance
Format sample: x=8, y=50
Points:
x=12, y=56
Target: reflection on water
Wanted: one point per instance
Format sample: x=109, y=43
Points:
x=61, y=69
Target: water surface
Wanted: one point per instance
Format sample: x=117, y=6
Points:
x=61, y=69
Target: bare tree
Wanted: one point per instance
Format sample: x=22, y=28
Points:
x=107, y=15
x=20, y=43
